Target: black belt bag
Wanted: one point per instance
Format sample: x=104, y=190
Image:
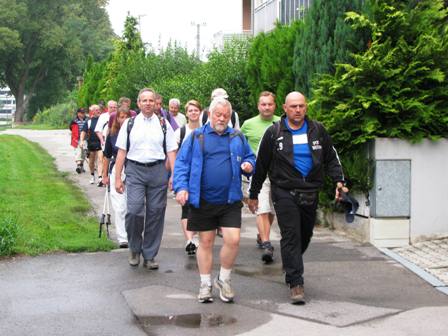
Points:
x=304, y=198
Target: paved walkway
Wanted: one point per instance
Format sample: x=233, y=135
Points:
x=351, y=288
x=432, y=256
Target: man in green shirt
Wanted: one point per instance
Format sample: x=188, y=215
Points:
x=254, y=129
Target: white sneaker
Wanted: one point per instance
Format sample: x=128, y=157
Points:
x=92, y=179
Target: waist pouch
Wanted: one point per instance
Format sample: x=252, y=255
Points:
x=304, y=198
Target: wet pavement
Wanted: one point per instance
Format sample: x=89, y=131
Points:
x=351, y=288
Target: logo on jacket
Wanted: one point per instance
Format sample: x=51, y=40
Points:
x=316, y=145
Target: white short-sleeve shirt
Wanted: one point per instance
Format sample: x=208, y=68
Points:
x=102, y=121
x=146, y=139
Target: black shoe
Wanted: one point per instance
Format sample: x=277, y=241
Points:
x=190, y=249
x=79, y=169
x=268, y=252
x=123, y=245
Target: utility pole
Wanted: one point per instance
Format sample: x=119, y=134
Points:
x=198, y=37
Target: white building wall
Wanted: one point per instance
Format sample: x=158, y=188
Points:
x=429, y=183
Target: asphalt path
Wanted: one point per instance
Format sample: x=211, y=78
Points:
x=351, y=288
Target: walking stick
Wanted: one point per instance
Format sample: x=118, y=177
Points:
x=105, y=216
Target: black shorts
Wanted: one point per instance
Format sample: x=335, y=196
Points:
x=209, y=217
x=94, y=148
x=185, y=210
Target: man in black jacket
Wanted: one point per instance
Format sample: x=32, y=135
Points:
x=295, y=152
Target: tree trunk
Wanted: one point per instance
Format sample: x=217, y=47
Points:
x=20, y=104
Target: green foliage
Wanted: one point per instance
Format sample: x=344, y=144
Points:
x=57, y=116
x=45, y=47
x=396, y=88
x=326, y=40
x=8, y=235
x=269, y=65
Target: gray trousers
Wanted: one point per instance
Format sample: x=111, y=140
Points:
x=146, y=203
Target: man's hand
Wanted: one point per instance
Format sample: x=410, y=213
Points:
x=246, y=167
x=340, y=187
x=119, y=185
x=182, y=197
x=170, y=183
x=253, y=205
x=105, y=180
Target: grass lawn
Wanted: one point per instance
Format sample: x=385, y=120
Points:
x=51, y=212
x=40, y=127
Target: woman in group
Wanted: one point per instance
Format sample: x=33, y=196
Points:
x=110, y=153
x=193, y=111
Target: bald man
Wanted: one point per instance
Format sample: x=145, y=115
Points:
x=295, y=152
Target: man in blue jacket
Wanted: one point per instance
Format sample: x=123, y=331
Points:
x=207, y=175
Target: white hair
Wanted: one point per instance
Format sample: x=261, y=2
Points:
x=219, y=101
x=174, y=101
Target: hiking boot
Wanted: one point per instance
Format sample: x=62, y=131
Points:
x=151, y=264
x=123, y=244
x=190, y=248
x=205, y=293
x=259, y=242
x=79, y=169
x=268, y=252
x=226, y=293
x=92, y=180
x=134, y=258
x=298, y=294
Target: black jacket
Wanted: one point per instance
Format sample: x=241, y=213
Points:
x=276, y=158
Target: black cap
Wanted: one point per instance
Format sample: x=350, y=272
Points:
x=350, y=205
x=81, y=110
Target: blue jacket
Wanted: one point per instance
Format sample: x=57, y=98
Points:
x=188, y=165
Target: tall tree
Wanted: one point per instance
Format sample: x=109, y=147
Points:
x=326, y=39
x=46, y=40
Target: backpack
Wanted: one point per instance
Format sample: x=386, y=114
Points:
x=131, y=124
x=205, y=117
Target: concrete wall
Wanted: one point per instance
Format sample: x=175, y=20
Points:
x=429, y=183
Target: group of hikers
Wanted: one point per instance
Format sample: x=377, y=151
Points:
x=276, y=164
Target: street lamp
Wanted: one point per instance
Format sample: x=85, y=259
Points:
x=198, y=37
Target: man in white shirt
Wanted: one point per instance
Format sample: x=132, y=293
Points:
x=174, y=107
x=101, y=125
x=151, y=141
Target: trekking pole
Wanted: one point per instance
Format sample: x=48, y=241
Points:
x=103, y=215
x=108, y=223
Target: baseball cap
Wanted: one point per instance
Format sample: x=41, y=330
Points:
x=350, y=205
x=219, y=92
x=81, y=110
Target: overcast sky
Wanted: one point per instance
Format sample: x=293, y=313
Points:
x=171, y=19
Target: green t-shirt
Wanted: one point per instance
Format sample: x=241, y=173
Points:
x=254, y=129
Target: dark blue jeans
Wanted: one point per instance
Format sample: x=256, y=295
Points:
x=296, y=216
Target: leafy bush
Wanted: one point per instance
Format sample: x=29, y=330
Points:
x=58, y=116
x=8, y=235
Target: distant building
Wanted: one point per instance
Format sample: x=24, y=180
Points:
x=7, y=103
x=267, y=12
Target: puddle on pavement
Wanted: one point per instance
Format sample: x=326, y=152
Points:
x=185, y=321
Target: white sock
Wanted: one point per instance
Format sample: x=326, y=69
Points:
x=224, y=274
x=206, y=279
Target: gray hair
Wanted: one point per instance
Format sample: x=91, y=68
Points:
x=145, y=90
x=219, y=101
x=174, y=101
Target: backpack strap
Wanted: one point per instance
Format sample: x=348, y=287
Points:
x=129, y=128
x=237, y=133
x=233, y=118
x=183, y=130
x=163, y=125
x=204, y=116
